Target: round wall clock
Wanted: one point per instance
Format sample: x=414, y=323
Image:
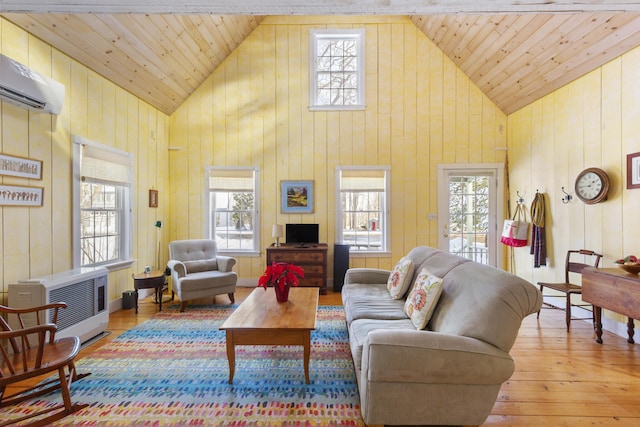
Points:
x=592, y=185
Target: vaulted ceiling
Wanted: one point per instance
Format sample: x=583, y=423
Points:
x=162, y=50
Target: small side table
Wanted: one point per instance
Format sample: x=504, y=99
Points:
x=155, y=279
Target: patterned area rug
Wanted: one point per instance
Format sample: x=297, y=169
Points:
x=172, y=370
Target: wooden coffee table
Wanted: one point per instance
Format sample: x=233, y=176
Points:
x=261, y=320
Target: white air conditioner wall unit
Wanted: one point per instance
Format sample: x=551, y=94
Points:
x=26, y=88
x=85, y=291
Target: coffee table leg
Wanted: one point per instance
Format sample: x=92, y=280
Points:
x=231, y=355
x=307, y=356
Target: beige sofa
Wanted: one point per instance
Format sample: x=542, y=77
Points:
x=197, y=271
x=451, y=372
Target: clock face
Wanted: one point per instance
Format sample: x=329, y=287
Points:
x=592, y=185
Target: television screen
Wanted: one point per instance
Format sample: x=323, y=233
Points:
x=302, y=233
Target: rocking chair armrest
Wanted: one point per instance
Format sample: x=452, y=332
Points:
x=17, y=333
x=8, y=310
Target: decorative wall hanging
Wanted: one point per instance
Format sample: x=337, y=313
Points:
x=20, y=166
x=15, y=195
x=153, y=198
x=633, y=170
x=296, y=196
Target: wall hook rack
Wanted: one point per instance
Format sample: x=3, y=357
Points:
x=520, y=199
x=567, y=197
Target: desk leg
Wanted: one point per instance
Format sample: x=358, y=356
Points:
x=231, y=355
x=597, y=311
x=136, y=298
x=159, y=296
x=630, y=331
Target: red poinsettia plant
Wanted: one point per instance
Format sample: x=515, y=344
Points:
x=281, y=274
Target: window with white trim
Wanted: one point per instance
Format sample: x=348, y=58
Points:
x=232, y=217
x=337, y=70
x=102, y=204
x=363, y=208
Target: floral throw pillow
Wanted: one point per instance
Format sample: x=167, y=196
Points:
x=400, y=277
x=423, y=298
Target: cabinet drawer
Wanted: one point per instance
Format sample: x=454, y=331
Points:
x=312, y=270
x=312, y=282
x=297, y=257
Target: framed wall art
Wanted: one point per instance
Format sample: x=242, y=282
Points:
x=153, y=198
x=20, y=166
x=296, y=196
x=633, y=170
x=15, y=195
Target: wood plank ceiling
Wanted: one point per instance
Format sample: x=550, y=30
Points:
x=514, y=56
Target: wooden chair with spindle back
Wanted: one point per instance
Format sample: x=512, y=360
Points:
x=567, y=288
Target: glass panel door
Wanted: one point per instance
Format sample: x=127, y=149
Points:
x=468, y=206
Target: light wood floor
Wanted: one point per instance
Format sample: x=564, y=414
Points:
x=561, y=379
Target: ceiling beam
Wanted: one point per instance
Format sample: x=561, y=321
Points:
x=317, y=7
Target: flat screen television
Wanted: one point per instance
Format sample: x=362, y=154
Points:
x=302, y=234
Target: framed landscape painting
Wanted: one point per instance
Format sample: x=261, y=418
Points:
x=296, y=196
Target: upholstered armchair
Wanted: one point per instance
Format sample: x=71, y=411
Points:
x=197, y=271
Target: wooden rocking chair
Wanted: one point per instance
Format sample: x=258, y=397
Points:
x=28, y=352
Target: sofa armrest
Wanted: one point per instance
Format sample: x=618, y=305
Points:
x=225, y=263
x=413, y=356
x=366, y=275
x=177, y=267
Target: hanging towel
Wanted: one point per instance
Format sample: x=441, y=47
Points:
x=538, y=240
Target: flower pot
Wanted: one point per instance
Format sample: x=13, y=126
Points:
x=282, y=295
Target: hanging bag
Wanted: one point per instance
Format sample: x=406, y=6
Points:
x=515, y=231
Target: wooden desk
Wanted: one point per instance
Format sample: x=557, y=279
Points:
x=615, y=290
x=261, y=320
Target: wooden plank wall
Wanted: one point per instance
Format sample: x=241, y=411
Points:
x=253, y=111
x=37, y=241
x=591, y=122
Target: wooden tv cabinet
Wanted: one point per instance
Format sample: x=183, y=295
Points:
x=312, y=258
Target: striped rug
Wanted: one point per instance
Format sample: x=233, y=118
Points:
x=172, y=370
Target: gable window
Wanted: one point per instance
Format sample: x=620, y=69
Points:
x=363, y=208
x=102, y=204
x=337, y=70
x=232, y=217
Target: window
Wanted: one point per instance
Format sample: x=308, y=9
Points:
x=363, y=208
x=102, y=204
x=232, y=217
x=337, y=70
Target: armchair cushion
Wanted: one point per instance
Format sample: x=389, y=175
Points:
x=201, y=265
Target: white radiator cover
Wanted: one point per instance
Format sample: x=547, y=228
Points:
x=85, y=291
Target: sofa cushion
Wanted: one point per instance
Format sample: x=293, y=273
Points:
x=488, y=297
x=423, y=298
x=201, y=265
x=400, y=278
x=369, y=301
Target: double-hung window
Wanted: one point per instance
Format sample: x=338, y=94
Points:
x=363, y=208
x=232, y=217
x=337, y=70
x=102, y=204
